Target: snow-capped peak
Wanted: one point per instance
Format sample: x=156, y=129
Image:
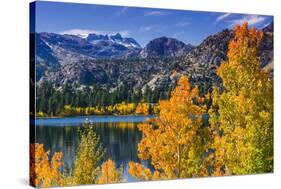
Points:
x=114, y=38
x=82, y=35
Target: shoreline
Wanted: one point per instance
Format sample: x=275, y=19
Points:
x=72, y=116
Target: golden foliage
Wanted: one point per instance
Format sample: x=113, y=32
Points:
x=172, y=141
x=90, y=152
x=44, y=173
x=124, y=108
x=242, y=116
x=140, y=172
x=142, y=108
x=109, y=173
x=40, y=114
x=120, y=108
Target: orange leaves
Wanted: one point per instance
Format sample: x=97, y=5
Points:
x=181, y=93
x=235, y=116
x=109, y=173
x=140, y=172
x=244, y=36
x=171, y=141
x=246, y=41
x=142, y=108
x=45, y=173
x=243, y=66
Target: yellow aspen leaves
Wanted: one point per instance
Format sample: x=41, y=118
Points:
x=171, y=140
x=89, y=154
x=109, y=173
x=242, y=116
x=45, y=172
x=142, y=108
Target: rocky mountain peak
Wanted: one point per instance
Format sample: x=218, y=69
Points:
x=165, y=47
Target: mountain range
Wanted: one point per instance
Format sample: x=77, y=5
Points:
x=112, y=60
x=64, y=48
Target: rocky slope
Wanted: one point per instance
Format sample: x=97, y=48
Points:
x=135, y=73
x=165, y=47
x=206, y=57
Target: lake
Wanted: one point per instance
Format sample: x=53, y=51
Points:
x=118, y=134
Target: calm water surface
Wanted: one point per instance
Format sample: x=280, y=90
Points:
x=118, y=134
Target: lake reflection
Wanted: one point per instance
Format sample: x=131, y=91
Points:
x=119, y=138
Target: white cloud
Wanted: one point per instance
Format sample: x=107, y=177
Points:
x=222, y=17
x=121, y=11
x=156, y=28
x=250, y=19
x=146, y=28
x=155, y=13
x=176, y=35
x=182, y=24
x=125, y=33
x=86, y=32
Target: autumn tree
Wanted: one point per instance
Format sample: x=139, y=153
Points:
x=174, y=141
x=89, y=154
x=44, y=172
x=242, y=116
x=142, y=108
x=109, y=173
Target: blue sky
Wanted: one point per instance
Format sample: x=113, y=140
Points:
x=143, y=24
